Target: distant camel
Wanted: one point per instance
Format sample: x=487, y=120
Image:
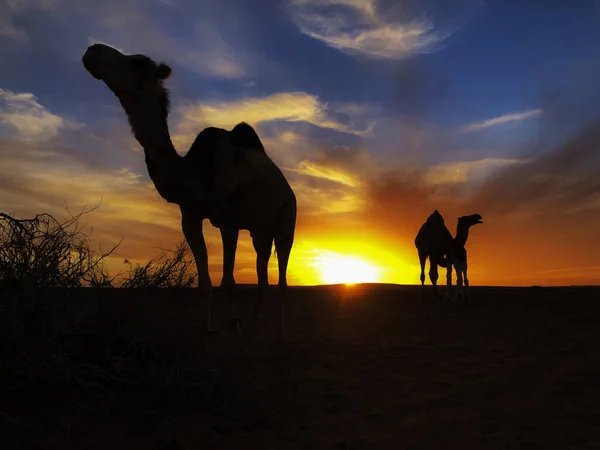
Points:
x=460, y=252
x=226, y=176
x=434, y=241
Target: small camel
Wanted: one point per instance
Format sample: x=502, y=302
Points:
x=226, y=176
x=460, y=252
x=434, y=241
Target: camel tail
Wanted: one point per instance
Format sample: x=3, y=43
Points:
x=443, y=262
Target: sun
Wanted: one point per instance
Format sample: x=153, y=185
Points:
x=335, y=268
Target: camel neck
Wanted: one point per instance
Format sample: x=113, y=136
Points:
x=149, y=125
x=150, y=128
x=462, y=234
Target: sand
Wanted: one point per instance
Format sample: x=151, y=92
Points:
x=365, y=367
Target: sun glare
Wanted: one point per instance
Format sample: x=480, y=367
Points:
x=335, y=268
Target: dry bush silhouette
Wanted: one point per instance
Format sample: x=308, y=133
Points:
x=171, y=268
x=44, y=252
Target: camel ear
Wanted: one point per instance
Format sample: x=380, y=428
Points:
x=163, y=71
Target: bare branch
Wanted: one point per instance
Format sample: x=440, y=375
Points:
x=44, y=252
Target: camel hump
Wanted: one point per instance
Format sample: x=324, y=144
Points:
x=202, y=151
x=205, y=143
x=243, y=135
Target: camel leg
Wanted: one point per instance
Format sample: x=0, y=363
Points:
x=449, y=264
x=283, y=246
x=466, y=280
x=459, y=280
x=229, y=237
x=192, y=230
x=263, y=244
x=433, y=273
x=422, y=261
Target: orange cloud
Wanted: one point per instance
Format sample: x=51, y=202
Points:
x=283, y=106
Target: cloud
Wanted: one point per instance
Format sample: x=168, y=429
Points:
x=320, y=171
x=53, y=177
x=467, y=171
x=284, y=106
x=22, y=114
x=292, y=107
x=325, y=201
x=561, y=179
x=361, y=27
x=513, y=117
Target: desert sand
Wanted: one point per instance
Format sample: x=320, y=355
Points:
x=365, y=367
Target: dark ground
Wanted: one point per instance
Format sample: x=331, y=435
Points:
x=367, y=367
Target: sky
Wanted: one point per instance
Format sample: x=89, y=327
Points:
x=377, y=111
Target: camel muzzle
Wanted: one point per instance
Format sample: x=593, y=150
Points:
x=90, y=62
x=98, y=55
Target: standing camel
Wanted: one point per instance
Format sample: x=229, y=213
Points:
x=225, y=177
x=434, y=241
x=460, y=252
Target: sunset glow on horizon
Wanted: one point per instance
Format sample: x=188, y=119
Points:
x=340, y=269
x=375, y=116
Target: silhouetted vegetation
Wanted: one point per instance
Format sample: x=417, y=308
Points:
x=45, y=252
x=171, y=268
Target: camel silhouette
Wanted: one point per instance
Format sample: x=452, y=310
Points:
x=434, y=241
x=226, y=176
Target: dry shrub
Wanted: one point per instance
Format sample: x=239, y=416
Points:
x=43, y=252
x=171, y=268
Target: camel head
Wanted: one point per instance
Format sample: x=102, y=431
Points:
x=132, y=78
x=469, y=221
